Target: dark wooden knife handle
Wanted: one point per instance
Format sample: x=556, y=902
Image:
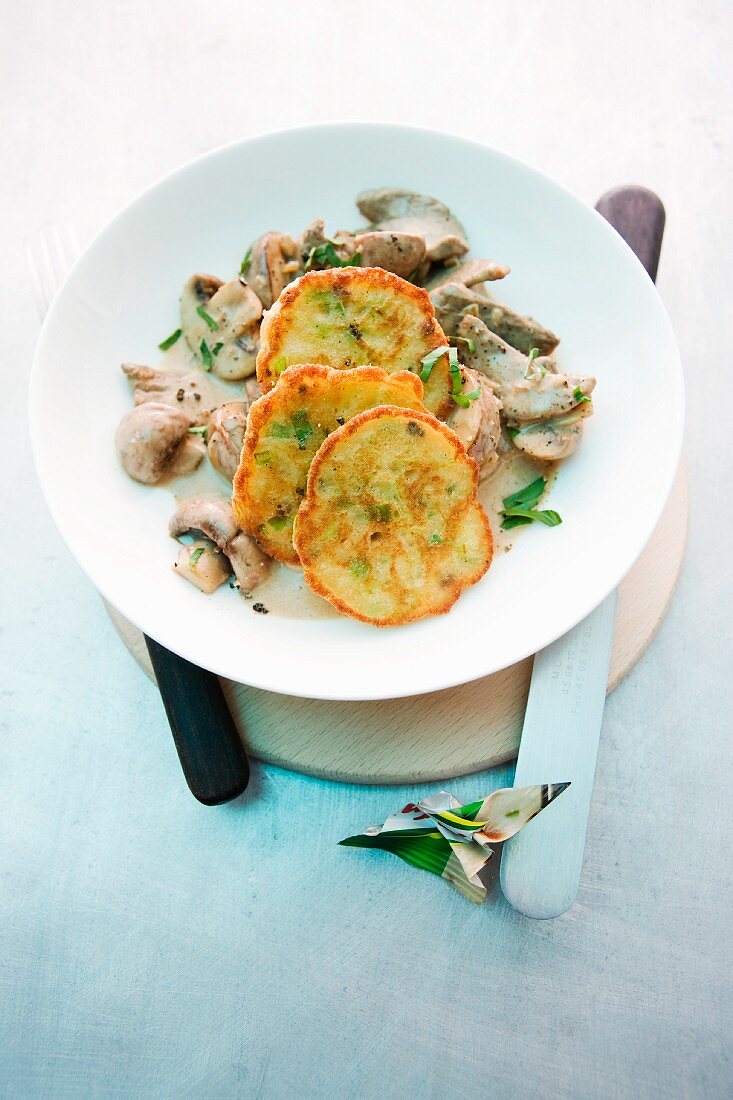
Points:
x=209, y=747
x=637, y=215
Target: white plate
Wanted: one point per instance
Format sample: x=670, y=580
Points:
x=569, y=269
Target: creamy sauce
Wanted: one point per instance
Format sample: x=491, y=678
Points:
x=285, y=592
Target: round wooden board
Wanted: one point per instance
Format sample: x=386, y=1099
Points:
x=444, y=733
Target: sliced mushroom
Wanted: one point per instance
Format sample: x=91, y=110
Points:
x=312, y=246
x=551, y=440
x=221, y=329
x=149, y=438
x=452, y=300
x=529, y=389
x=478, y=426
x=393, y=208
x=467, y=272
x=190, y=392
x=203, y=564
x=227, y=425
x=215, y=519
x=401, y=253
x=273, y=263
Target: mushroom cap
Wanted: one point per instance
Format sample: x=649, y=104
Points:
x=214, y=518
x=273, y=264
x=148, y=438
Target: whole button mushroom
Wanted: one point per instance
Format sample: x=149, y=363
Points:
x=215, y=520
x=153, y=439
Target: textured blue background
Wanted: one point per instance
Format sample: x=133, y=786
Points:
x=155, y=948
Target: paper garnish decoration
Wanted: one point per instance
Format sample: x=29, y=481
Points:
x=439, y=834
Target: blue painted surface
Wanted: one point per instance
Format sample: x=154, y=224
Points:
x=155, y=948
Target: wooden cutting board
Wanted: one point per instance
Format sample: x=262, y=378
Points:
x=445, y=733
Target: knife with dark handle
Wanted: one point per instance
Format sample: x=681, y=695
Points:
x=541, y=866
x=206, y=739
x=211, y=753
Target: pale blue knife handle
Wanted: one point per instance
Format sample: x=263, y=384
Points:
x=540, y=867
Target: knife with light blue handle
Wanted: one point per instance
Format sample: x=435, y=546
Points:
x=541, y=866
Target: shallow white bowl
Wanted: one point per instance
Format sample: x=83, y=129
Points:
x=569, y=269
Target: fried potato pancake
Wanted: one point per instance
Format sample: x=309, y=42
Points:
x=286, y=427
x=349, y=317
x=390, y=530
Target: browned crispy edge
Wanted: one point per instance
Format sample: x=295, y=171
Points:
x=259, y=414
x=324, y=452
x=333, y=279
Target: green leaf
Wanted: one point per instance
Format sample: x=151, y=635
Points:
x=430, y=360
x=529, y=495
x=359, y=567
x=533, y=353
x=469, y=811
x=205, y=355
x=579, y=396
x=203, y=431
x=196, y=554
x=326, y=256
x=213, y=325
x=217, y=348
x=170, y=340
x=529, y=515
x=512, y=813
x=302, y=426
x=244, y=266
x=263, y=458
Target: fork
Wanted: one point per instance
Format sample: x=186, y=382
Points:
x=209, y=747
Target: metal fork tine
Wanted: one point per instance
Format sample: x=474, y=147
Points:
x=49, y=257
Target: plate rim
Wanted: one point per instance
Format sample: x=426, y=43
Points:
x=671, y=456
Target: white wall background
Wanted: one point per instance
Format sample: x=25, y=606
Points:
x=151, y=947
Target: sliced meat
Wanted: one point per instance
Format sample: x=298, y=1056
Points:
x=452, y=300
x=401, y=253
x=478, y=426
x=393, y=208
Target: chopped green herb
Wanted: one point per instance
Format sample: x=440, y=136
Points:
x=278, y=522
x=244, y=266
x=533, y=353
x=263, y=458
x=429, y=362
x=465, y=340
x=217, y=348
x=511, y=432
x=461, y=399
x=518, y=517
x=170, y=340
x=195, y=555
x=213, y=325
x=302, y=426
x=512, y=813
x=278, y=430
x=326, y=256
x=279, y=363
x=359, y=567
x=203, y=431
x=205, y=355
x=528, y=496
x=579, y=396
x=435, y=540
x=519, y=508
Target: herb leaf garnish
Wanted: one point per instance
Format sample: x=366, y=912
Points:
x=533, y=353
x=326, y=255
x=519, y=508
x=579, y=396
x=244, y=266
x=430, y=360
x=170, y=340
x=205, y=355
x=213, y=325
x=195, y=555
x=203, y=431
